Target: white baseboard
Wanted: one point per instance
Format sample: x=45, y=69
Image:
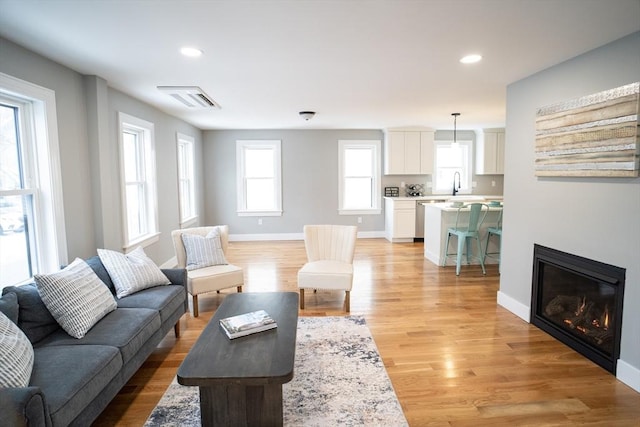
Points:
x=630, y=375
x=514, y=306
x=293, y=236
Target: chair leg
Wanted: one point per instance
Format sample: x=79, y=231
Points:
x=301, y=299
x=347, y=301
x=461, y=242
x=240, y=288
x=480, y=255
x=446, y=251
x=486, y=246
x=195, y=306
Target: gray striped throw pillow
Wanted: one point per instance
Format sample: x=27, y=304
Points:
x=203, y=251
x=131, y=272
x=75, y=297
x=16, y=355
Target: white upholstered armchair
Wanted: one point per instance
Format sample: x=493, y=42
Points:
x=205, y=261
x=330, y=251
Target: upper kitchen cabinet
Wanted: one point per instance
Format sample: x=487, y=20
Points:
x=490, y=152
x=408, y=152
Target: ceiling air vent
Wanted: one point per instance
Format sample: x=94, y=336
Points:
x=190, y=96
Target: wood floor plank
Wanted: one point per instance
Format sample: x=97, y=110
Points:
x=454, y=356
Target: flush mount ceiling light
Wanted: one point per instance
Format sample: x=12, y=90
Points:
x=307, y=115
x=191, y=52
x=471, y=59
x=455, y=130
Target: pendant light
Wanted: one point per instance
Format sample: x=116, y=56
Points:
x=455, y=139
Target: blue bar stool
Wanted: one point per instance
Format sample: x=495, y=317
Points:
x=495, y=231
x=477, y=214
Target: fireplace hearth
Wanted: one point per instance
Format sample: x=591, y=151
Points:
x=579, y=302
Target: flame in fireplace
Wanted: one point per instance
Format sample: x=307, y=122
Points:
x=581, y=307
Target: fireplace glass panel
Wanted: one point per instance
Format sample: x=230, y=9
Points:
x=579, y=305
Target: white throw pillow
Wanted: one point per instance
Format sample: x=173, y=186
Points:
x=75, y=297
x=203, y=251
x=131, y=272
x=16, y=355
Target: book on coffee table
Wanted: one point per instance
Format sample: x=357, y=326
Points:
x=247, y=323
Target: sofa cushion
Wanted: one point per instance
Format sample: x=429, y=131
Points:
x=97, y=266
x=71, y=376
x=131, y=272
x=203, y=251
x=16, y=355
x=76, y=297
x=165, y=299
x=127, y=329
x=9, y=306
x=33, y=316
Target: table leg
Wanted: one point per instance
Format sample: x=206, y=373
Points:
x=240, y=405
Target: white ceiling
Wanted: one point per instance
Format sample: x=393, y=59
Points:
x=360, y=64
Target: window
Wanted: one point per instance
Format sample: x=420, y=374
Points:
x=32, y=230
x=138, y=175
x=449, y=159
x=186, y=180
x=259, y=178
x=359, y=177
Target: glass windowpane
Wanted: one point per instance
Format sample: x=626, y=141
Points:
x=260, y=194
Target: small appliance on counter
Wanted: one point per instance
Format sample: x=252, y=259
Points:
x=414, y=190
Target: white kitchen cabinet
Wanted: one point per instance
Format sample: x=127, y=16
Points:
x=490, y=152
x=426, y=152
x=408, y=152
x=400, y=220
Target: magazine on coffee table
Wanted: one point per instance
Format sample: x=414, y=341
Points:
x=247, y=323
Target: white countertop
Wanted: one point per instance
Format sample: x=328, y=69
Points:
x=448, y=197
x=448, y=206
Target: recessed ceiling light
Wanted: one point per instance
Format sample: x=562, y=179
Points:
x=471, y=59
x=191, y=52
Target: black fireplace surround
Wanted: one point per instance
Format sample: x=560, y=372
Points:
x=579, y=302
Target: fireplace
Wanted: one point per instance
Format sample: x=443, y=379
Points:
x=579, y=302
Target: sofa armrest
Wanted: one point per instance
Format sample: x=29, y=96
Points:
x=24, y=406
x=178, y=276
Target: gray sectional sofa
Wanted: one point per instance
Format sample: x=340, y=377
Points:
x=73, y=380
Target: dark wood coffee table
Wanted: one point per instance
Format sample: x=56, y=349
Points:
x=241, y=380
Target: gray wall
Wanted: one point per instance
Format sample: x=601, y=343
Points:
x=88, y=137
x=309, y=180
x=595, y=218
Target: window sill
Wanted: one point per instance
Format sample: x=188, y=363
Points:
x=359, y=211
x=144, y=241
x=259, y=213
x=189, y=222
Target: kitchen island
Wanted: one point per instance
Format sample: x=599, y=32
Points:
x=438, y=217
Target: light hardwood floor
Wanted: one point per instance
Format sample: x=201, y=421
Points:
x=454, y=356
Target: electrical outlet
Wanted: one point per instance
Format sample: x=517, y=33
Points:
x=359, y=220
x=259, y=221
x=474, y=184
x=493, y=183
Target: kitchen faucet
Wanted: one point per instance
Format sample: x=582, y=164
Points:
x=456, y=189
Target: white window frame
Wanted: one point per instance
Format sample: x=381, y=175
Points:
x=376, y=189
x=145, y=130
x=466, y=176
x=241, y=180
x=186, y=178
x=44, y=172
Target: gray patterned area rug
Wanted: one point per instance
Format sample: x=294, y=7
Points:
x=339, y=379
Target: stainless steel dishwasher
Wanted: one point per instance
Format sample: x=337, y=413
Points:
x=420, y=216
